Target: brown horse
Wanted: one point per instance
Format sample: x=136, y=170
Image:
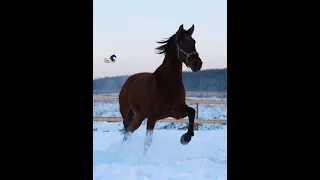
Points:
x=161, y=94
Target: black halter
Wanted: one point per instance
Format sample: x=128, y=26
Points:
x=185, y=53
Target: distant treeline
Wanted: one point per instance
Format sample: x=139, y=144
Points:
x=211, y=79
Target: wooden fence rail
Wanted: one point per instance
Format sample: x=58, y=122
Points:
x=191, y=101
x=119, y=119
x=188, y=91
x=196, y=121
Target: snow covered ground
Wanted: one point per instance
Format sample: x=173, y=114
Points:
x=204, y=158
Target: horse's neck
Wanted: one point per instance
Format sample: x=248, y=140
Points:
x=170, y=72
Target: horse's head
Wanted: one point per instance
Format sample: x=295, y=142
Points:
x=186, y=48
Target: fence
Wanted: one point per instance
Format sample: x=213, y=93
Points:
x=196, y=122
x=189, y=91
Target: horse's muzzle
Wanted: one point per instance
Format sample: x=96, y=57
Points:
x=196, y=66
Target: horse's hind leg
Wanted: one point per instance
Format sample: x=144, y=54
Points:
x=127, y=121
x=124, y=111
x=149, y=133
x=136, y=123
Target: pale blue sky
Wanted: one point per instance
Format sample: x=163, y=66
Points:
x=130, y=28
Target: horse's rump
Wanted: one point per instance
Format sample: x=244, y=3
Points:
x=134, y=93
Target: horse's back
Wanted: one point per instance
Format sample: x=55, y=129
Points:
x=136, y=79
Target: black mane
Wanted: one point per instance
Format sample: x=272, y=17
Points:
x=164, y=49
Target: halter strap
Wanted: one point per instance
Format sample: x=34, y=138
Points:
x=185, y=53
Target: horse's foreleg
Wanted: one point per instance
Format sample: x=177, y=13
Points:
x=186, y=138
x=149, y=133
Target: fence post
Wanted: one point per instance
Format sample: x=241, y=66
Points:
x=197, y=110
x=197, y=117
x=196, y=126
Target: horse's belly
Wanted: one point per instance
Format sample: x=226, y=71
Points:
x=176, y=111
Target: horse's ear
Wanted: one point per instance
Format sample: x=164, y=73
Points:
x=190, y=31
x=181, y=29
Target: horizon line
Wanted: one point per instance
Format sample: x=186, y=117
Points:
x=135, y=73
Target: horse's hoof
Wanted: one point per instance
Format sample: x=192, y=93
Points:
x=145, y=153
x=185, y=139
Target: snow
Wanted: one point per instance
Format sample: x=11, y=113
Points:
x=203, y=158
